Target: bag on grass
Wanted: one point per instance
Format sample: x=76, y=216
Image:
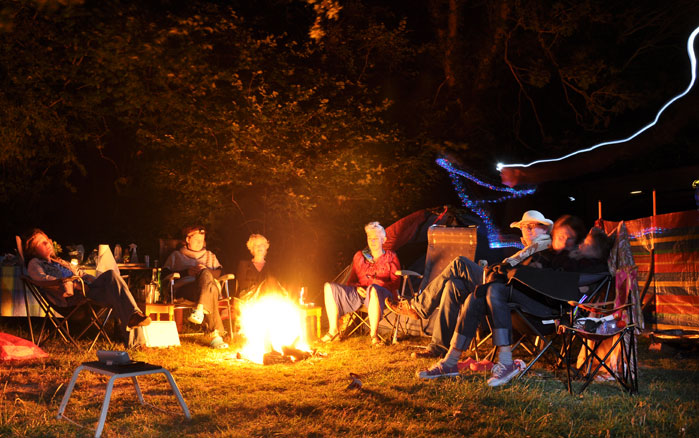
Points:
x=14, y=348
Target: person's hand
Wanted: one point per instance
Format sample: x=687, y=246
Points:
x=67, y=288
x=495, y=273
x=362, y=292
x=195, y=270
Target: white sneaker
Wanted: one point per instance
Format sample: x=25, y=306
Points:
x=196, y=317
x=501, y=374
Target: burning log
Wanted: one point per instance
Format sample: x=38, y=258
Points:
x=295, y=353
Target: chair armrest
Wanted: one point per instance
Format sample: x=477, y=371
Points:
x=226, y=277
x=56, y=285
x=48, y=283
x=222, y=283
x=407, y=273
x=601, y=308
x=173, y=276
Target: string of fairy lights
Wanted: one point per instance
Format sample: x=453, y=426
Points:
x=475, y=205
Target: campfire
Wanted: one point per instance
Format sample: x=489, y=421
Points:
x=274, y=330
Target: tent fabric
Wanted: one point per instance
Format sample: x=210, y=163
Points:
x=674, y=287
x=13, y=348
x=405, y=230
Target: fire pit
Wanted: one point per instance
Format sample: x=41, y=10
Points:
x=274, y=330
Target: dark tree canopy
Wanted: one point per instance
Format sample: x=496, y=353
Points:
x=305, y=119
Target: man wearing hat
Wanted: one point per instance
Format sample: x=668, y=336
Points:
x=459, y=279
x=494, y=298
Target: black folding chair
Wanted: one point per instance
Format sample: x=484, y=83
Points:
x=613, y=350
x=58, y=319
x=536, y=334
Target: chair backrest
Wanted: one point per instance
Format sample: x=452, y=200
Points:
x=166, y=247
x=623, y=267
x=20, y=250
x=443, y=245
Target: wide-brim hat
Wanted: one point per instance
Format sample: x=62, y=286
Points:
x=532, y=216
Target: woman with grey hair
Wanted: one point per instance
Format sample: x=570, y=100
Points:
x=252, y=273
x=372, y=280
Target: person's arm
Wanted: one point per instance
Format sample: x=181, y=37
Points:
x=59, y=287
x=174, y=264
x=394, y=266
x=216, y=267
x=357, y=270
x=497, y=272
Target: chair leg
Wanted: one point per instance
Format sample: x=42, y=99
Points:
x=98, y=323
x=29, y=318
x=230, y=318
x=567, y=341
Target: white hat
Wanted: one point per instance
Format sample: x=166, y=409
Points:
x=532, y=216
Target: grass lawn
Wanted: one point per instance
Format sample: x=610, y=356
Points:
x=232, y=397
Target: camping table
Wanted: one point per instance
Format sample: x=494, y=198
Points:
x=132, y=370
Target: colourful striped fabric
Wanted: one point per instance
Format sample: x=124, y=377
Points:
x=675, y=286
x=12, y=294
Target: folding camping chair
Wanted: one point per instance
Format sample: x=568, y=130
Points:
x=359, y=319
x=613, y=350
x=57, y=319
x=167, y=246
x=537, y=333
x=444, y=245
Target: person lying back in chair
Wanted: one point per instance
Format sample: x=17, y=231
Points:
x=591, y=256
x=448, y=291
x=372, y=280
x=56, y=278
x=198, y=268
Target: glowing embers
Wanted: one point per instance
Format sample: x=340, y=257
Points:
x=273, y=330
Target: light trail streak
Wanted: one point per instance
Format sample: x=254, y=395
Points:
x=693, y=62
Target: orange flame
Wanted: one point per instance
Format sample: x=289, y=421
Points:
x=269, y=323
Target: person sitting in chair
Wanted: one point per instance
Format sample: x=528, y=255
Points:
x=255, y=273
x=198, y=268
x=372, y=280
x=591, y=256
x=448, y=291
x=109, y=289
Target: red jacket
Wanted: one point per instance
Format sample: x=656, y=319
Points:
x=381, y=272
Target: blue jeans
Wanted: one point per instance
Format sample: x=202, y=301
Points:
x=496, y=301
x=447, y=292
x=110, y=290
x=498, y=297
